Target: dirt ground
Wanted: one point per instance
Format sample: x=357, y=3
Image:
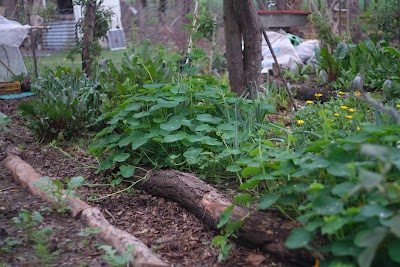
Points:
x=171, y=232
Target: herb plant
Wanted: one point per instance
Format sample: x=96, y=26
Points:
x=66, y=106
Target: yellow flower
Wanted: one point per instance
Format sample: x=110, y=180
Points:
x=344, y=107
x=349, y=116
x=330, y=120
x=341, y=93
x=398, y=106
x=318, y=95
x=357, y=93
x=310, y=102
x=358, y=128
x=300, y=122
x=336, y=114
x=352, y=110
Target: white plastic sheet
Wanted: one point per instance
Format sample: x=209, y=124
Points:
x=284, y=51
x=12, y=34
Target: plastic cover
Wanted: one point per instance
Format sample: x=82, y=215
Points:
x=12, y=34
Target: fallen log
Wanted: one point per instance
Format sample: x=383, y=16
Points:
x=265, y=230
x=26, y=176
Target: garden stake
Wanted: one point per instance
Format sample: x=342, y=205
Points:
x=279, y=68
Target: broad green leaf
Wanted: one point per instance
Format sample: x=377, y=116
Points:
x=171, y=125
x=141, y=114
x=121, y=157
x=233, y=168
x=203, y=128
x=127, y=170
x=208, y=118
x=339, y=169
x=370, y=237
x=175, y=137
x=133, y=107
x=196, y=138
x=248, y=171
x=267, y=201
x=167, y=104
x=211, y=141
x=366, y=257
x=326, y=205
x=369, y=179
x=345, y=248
x=394, y=250
x=374, y=151
x=372, y=210
x=313, y=225
x=153, y=85
x=243, y=198
x=333, y=225
x=298, y=238
x=104, y=165
x=75, y=182
x=139, y=141
x=225, y=216
x=192, y=153
x=344, y=189
x=395, y=225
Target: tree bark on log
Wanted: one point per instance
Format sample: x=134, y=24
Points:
x=26, y=176
x=265, y=230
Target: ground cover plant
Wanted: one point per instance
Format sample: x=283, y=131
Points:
x=66, y=106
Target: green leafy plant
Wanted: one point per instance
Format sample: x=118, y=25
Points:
x=27, y=221
x=55, y=190
x=117, y=260
x=66, y=107
x=4, y=119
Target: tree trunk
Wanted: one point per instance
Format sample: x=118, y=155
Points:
x=88, y=36
x=244, y=66
x=355, y=29
x=264, y=230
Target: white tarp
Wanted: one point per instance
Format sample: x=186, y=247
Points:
x=12, y=35
x=284, y=50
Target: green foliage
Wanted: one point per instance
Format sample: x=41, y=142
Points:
x=27, y=221
x=387, y=19
x=180, y=125
x=188, y=123
x=324, y=30
x=55, y=190
x=331, y=120
x=354, y=197
x=117, y=260
x=67, y=105
x=4, y=119
x=375, y=62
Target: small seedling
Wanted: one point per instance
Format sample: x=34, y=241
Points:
x=27, y=220
x=55, y=190
x=117, y=260
x=88, y=233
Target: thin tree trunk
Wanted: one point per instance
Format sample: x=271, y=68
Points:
x=88, y=36
x=354, y=13
x=244, y=66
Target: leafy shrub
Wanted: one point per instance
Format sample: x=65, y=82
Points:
x=188, y=125
x=375, y=62
x=66, y=106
